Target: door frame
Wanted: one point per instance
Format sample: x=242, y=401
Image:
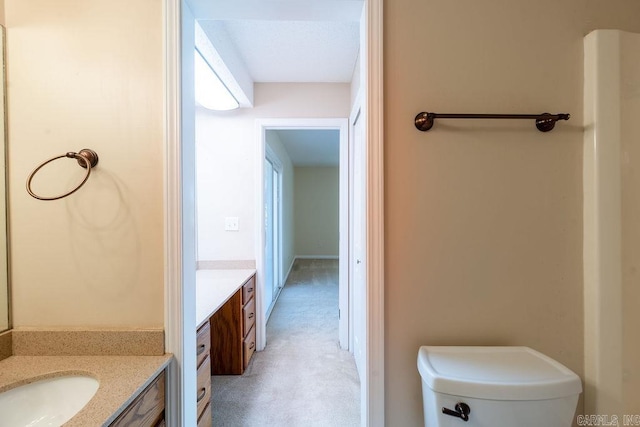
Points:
x=179, y=205
x=180, y=212
x=262, y=125
x=373, y=405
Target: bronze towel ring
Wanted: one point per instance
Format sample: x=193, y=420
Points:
x=86, y=158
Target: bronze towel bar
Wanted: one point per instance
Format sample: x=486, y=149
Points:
x=544, y=122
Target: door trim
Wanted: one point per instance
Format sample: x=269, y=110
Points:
x=179, y=212
x=374, y=401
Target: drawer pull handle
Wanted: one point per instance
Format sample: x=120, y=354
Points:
x=250, y=290
x=201, y=348
x=250, y=315
x=253, y=344
x=203, y=393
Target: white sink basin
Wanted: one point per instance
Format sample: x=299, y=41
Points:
x=48, y=402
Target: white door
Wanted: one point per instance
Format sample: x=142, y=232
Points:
x=276, y=238
x=268, y=231
x=272, y=251
x=358, y=244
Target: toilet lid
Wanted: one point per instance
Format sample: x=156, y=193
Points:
x=500, y=373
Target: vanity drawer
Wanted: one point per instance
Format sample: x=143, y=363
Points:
x=249, y=314
x=205, y=419
x=248, y=289
x=204, y=385
x=249, y=346
x=203, y=343
x=147, y=409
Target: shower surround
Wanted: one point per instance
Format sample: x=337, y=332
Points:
x=611, y=176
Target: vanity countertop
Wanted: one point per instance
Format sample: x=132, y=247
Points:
x=121, y=378
x=214, y=287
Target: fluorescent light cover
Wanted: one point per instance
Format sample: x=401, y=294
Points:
x=211, y=93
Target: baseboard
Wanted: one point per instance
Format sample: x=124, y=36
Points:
x=273, y=304
x=286, y=276
x=316, y=257
x=284, y=282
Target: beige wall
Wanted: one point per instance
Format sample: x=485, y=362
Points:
x=87, y=74
x=484, y=219
x=630, y=177
x=316, y=208
x=227, y=152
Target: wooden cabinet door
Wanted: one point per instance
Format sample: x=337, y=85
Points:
x=226, y=338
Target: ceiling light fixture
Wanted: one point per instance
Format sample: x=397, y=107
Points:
x=211, y=92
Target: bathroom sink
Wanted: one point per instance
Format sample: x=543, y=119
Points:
x=48, y=402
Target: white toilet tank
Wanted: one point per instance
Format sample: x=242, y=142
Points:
x=495, y=387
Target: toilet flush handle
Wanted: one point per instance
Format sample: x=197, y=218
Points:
x=462, y=411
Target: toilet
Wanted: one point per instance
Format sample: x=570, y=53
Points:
x=495, y=387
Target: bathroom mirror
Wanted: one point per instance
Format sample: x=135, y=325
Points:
x=5, y=309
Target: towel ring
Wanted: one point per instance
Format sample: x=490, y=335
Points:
x=86, y=158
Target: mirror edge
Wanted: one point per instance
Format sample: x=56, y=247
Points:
x=5, y=178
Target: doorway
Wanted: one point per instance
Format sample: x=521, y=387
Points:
x=263, y=231
x=180, y=206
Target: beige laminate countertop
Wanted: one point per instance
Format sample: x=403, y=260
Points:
x=121, y=379
x=215, y=287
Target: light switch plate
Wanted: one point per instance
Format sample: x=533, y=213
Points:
x=231, y=223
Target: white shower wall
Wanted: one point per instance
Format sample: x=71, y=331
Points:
x=611, y=223
x=630, y=165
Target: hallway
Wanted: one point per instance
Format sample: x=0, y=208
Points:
x=302, y=378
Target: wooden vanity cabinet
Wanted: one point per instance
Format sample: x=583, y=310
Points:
x=233, y=332
x=203, y=362
x=147, y=409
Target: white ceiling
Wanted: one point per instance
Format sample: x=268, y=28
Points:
x=311, y=147
x=295, y=51
x=286, y=41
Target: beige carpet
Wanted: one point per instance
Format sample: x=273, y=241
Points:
x=302, y=378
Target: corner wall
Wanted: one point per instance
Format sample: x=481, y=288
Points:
x=316, y=211
x=226, y=144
